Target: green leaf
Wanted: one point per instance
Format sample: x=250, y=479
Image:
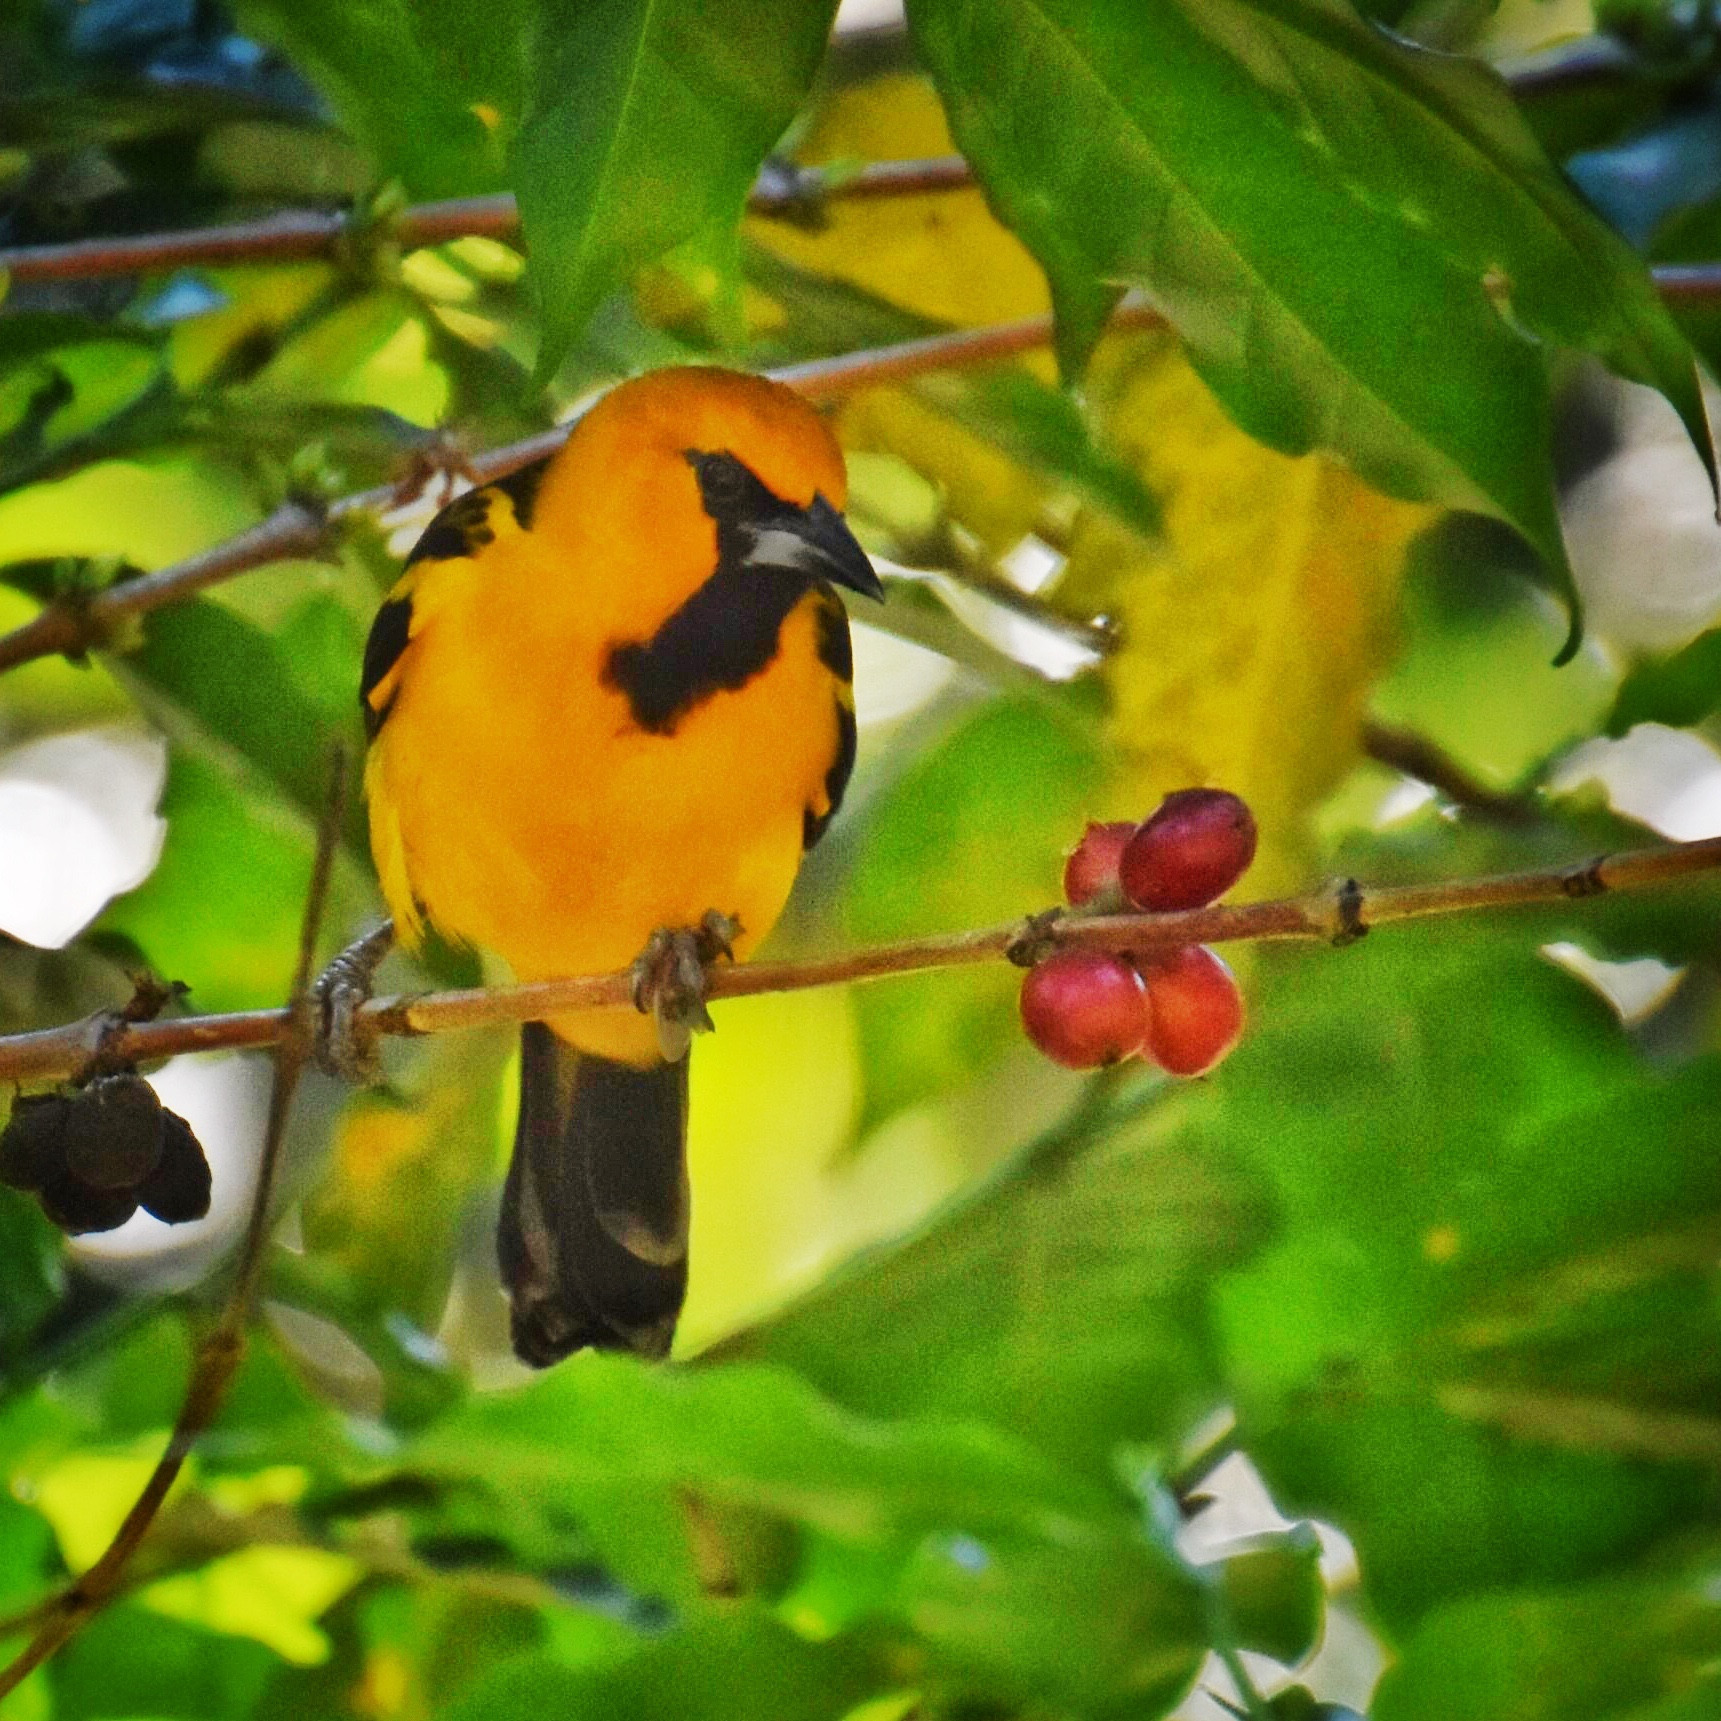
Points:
x=1486, y=1340
x=955, y=1531
x=647, y=125
x=1061, y=1300
x=235, y=946
x=1090, y=1625
x=31, y=1275
x=1680, y=690
x=1473, y=675
x=999, y=799
x=280, y=699
x=410, y=77
x=382, y=1227
x=732, y=1667
x=1360, y=241
x=150, y=511
x=28, y=1558
x=132, y=1661
x=1640, y=1647
x=756, y=1437
x=1274, y=1595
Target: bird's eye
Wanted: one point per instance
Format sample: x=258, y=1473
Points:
x=724, y=483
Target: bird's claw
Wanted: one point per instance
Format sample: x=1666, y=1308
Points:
x=669, y=977
x=716, y=935
x=346, y=1045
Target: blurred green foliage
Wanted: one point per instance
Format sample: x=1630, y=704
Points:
x=1003, y=1393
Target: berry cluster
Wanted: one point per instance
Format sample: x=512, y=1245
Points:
x=94, y=1155
x=1180, y=1009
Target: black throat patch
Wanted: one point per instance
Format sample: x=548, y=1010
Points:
x=728, y=631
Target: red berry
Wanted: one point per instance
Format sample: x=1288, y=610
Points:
x=1092, y=865
x=1195, y=1012
x=1194, y=848
x=1084, y=1008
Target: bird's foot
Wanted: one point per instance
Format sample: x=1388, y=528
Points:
x=669, y=977
x=346, y=1045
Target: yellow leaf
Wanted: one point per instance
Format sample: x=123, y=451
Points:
x=260, y=302
x=86, y=1496
x=994, y=496
x=1252, y=631
x=151, y=512
x=271, y=1594
x=279, y=1485
x=34, y=1699
x=775, y=1094
x=51, y=693
x=372, y=352
x=385, y=1686
x=940, y=254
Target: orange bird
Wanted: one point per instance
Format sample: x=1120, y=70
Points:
x=609, y=708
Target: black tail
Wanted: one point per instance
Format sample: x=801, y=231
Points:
x=593, y=1236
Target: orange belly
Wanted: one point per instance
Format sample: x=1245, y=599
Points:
x=534, y=820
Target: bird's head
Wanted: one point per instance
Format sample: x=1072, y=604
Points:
x=719, y=469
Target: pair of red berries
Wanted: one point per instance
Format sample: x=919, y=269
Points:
x=1180, y=1009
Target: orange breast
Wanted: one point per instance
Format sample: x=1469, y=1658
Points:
x=533, y=819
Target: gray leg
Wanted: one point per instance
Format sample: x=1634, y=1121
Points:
x=669, y=977
x=344, y=1046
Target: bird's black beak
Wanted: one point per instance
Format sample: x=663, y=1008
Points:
x=844, y=561
x=816, y=541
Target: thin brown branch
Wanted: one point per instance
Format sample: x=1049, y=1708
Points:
x=77, y=625
x=294, y=235
x=790, y=193
x=1416, y=756
x=826, y=379
x=300, y=529
x=1688, y=283
x=1339, y=915
x=782, y=189
x=223, y=1348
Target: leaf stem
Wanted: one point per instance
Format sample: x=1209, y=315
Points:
x=1339, y=914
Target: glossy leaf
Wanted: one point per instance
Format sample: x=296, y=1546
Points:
x=1360, y=242
x=409, y=77
x=646, y=126
x=1489, y=1351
